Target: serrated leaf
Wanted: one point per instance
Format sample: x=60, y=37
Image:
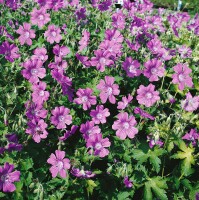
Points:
x=90, y=186
x=123, y=196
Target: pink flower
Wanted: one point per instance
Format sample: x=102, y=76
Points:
x=89, y=128
x=114, y=35
x=192, y=136
x=99, y=115
x=190, y=104
x=26, y=34
x=153, y=70
x=85, y=98
x=125, y=126
x=37, y=129
x=101, y=60
x=84, y=40
x=60, y=117
x=132, y=67
x=40, y=54
x=108, y=89
x=39, y=17
x=147, y=95
x=59, y=163
x=128, y=183
x=39, y=95
x=60, y=52
x=53, y=34
x=181, y=77
x=33, y=71
x=98, y=145
x=124, y=103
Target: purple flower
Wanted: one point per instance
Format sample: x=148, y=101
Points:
x=98, y=145
x=84, y=60
x=154, y=45
x=154, y=141
x=82, y=173
x=104, y=5
x=132, y=67
x=118, y=19
x=89, y=128
x=147, y=95
x=60, y=117
x=153, y=70
x=81, y=13
x=108, y=89
x=7, y=177
x=133, y=46
x=35, y=111
x=125, y=126
x=39, y=17
x=85, y=98
x=53, y=34
x=101, y=60
x=12, y=137
x=128, y=183
x=124, y=103
x=185, y=52
x=14, y=147
x=114, y=35
x=181, y=77
x=190, y=104
x=33, y=71
x=192, y=136
x=2, y=150
x=60, y=52
x=59, y=163
x=26, y=34
x=40, y=54
x=197, y=196
x=59, y=65
x=142, y=113
x=67, y=134
x=84, y=40
x=9, y=50
x=39, y=95
x=99, y=115
x=37, y=129
x=56, y=4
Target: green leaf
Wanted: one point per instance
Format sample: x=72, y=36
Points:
x=158, y=186
x=187, y=156
x=123, y=196
x=90, y=186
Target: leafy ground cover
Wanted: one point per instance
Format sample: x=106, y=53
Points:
x=98, y=102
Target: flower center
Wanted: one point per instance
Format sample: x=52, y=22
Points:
x=61, y=118
x=126, y=125
x=41, y=17
x=132, y=69
x=84, y=99
x=99, y=116
x=153, y=142
x=41, y=57
x=148, y=95
x=109, y=90
x=37, y=128
x=27, y=34
x=41, y=93
x=98, y=146
x=5, y=178
x=53, y=33
x=34, y=71
x=60, y=165
x=181, y=77
x=102, y=61
x=154, y=71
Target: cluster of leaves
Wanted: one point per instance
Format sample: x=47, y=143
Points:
x=157, y=173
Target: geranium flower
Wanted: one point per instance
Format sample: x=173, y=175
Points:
x=154, y=141
x=125, y=126
x=190, y=104
x=118, y=20
x=83, y=43
x=8, y=177
x=147, y=95
x=40, y=54
x=128, y=183
x=9, y=50
x=101, y=60
x=60, y=52
x=108, y=89
x=37, y=129
x=153, y=70
x=132, y=67
x=99, y=115
x=68, y=133
x=85, y=98
x=33, y=71
x=98, y=145
x=39, y=17
x=39, y=95
x=59, y=163
x=185, y=52
x=114, y=35
x=89, y=128
x=26, y=34
x=192, y=136
x=82, y=173
x=124, y=103
x=142, y=113
x=181, y=77
x=53, y=34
